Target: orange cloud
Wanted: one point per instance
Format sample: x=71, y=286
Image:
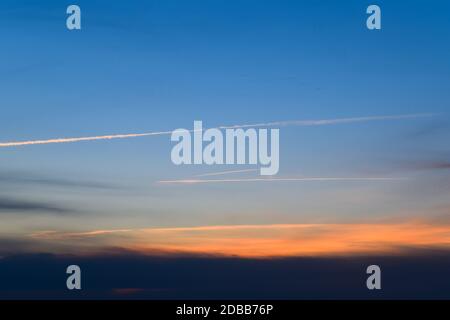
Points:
x=277, y=240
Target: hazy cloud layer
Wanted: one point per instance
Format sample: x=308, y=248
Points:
x=24, y=206
x=27, y=178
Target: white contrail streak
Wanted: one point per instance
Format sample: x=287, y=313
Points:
x=268, y=124
x=225, y=172
x=68, y=140
x=198, y=181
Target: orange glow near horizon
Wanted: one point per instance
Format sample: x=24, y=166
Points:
x=264, y=241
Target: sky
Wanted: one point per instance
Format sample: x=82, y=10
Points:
x=373, y=185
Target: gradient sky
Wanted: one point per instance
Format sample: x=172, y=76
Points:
x=140, y=66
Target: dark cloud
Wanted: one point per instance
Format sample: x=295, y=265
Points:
x=416, y=275
x=438, y=164
x=14, y=205
x=22, y=178
x=9, y=246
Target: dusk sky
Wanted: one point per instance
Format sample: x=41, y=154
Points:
x=376, y=184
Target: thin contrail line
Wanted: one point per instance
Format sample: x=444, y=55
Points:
x=268, y=124
x=225, y=172
x=304, y=123
x=55, y=235
x=198, y=181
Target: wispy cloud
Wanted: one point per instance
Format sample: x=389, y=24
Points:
x=267, y=124
x=30, y=178
x=312, y=179
x=13, y=205
x=59, y=235
x=220, y=173
x=431, y=165
x=273, y=240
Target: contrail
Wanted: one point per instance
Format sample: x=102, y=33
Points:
x=68, y=140
x=198, y=181
x=225, y=172
x=54, y=234
x=305, y=123
x=268, y=124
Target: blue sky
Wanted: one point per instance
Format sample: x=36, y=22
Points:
x=144, y=66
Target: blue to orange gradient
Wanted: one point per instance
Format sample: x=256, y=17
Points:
x=375, y=186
